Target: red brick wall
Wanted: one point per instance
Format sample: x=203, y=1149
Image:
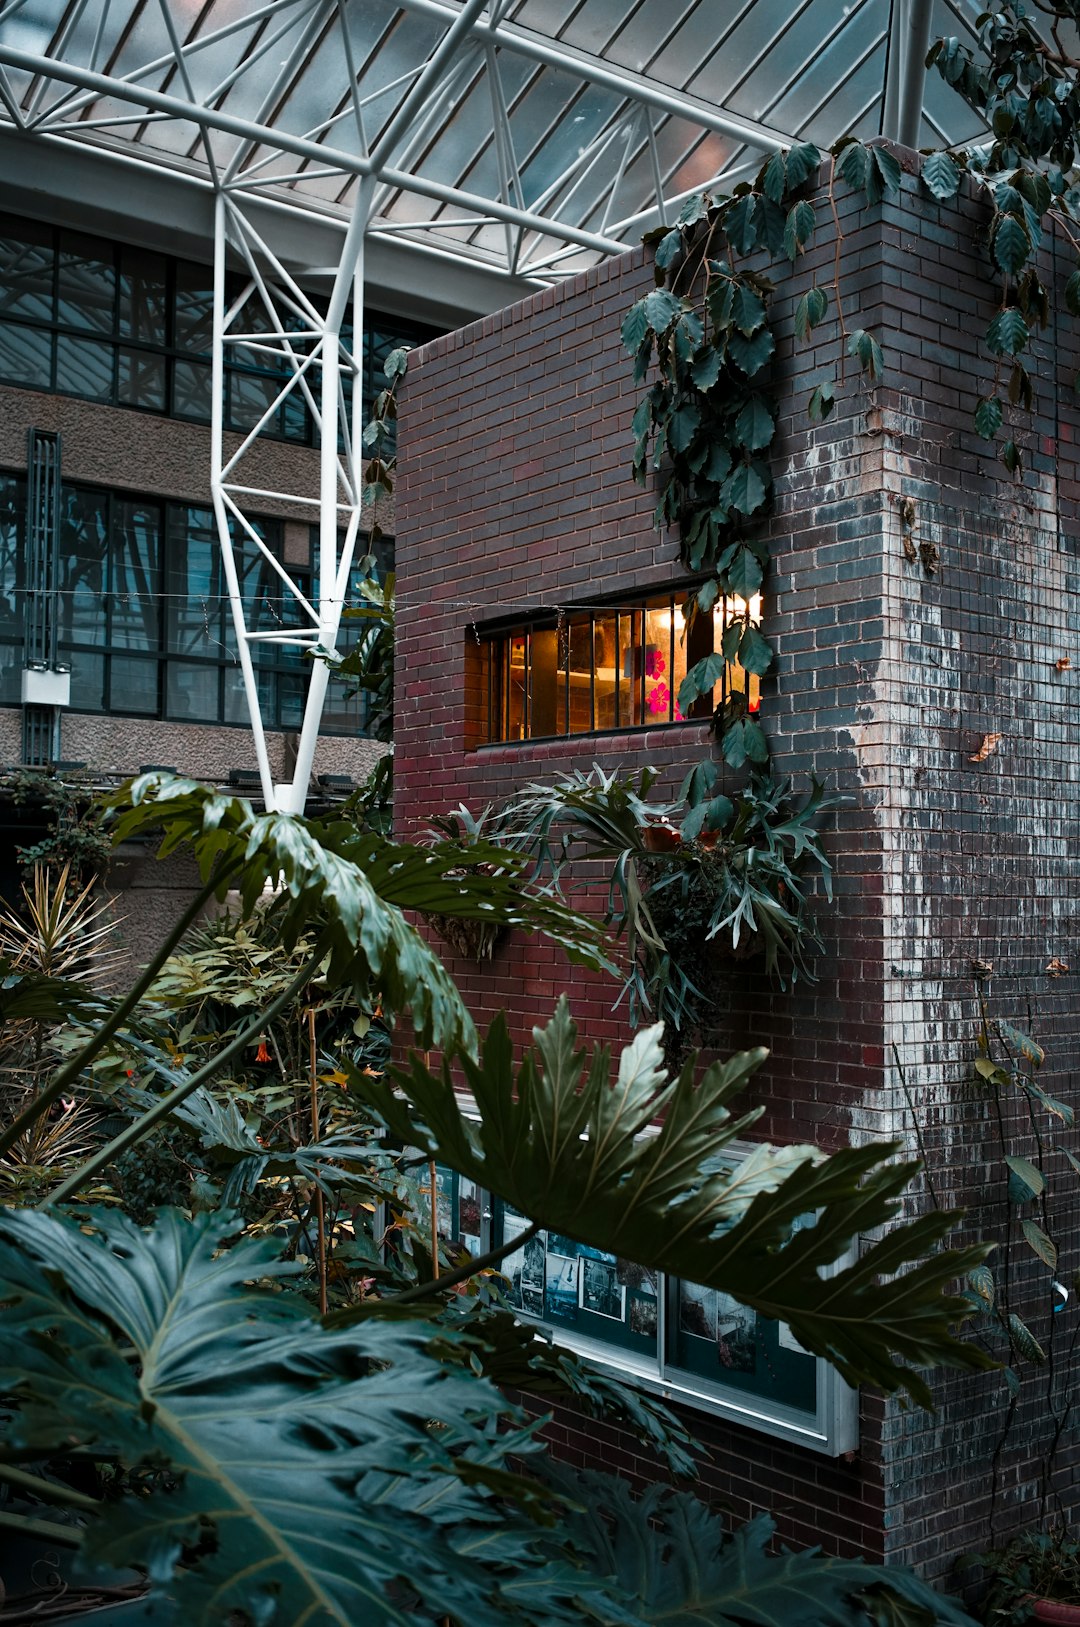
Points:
x=514, y=493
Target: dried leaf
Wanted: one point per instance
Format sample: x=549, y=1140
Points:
x=1063, y=663
x=911, y=553
x=1056, y=967
x=930, y=557
x=989, y=744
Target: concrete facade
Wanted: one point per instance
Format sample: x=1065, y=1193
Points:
x=514, y=494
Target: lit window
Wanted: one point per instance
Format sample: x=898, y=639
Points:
x=618, y=667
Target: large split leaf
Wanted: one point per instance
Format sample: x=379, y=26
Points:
x=677, y=1562
x=570, y=1148
x=305, y=1481
x=351, y=887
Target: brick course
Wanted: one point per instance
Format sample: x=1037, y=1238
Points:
x=514, y=493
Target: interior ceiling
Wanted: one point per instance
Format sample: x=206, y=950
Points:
x=530, y=136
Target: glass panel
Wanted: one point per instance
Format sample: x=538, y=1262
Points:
x=87, y=283
x=142, y=380
x=715, y=1337
x=26, y=270
x=295, y=420
x=192, y=391
x=291, y=693
x=194, y=309
x=193, y=604
x=580, y=1289
x=191, y=691
x=249, y=398
x=87, y=681
x=236, y=706
x=26, y=355
x=631, y=667
x=543, y=689
x=658, y=697
x=143, y=300
x=136, y=579
x=10, y=673
x=342, y=713
x=579, y=654
x=606, y=669
x=12, y=520
x=84, y=536
x=84, y=367
x=133, y=685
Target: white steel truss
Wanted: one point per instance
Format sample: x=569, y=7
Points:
x=317, y=106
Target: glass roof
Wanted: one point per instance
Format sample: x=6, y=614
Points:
x=531, y=136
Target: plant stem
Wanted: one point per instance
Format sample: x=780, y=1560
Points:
x=70, y=1071
x=49, y=1491
x=433, y=1187
x=320, y=1211
x=65, y=1536
x=424, y=1290
x=153, y=1115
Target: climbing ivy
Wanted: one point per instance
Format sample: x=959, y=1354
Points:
x=705, y=425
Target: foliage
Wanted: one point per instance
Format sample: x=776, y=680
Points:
x=704, y=427
x=312, y=1449
x=1034, y=1565
x=1026, y=89
x=369, y=665
x=74, y=835
x=567, y=1149
x=734, y=877
x=677, y=1558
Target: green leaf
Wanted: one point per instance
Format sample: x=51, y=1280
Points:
x=1024, y=1341
x=567, y=1149
x=1072, y=293
x=1012, y=458
x=669, y=249
x=940, y=175
x=396, y=364
x=1012, y=1382
x=635, y=326
x=682, y=426
x=865, y=348
x=1010, y=244
x=674, y=1558
x=309, y=1453
x=694, y=209
x=662, y=309
x=1040, y=1243
x=743, y=490
x=741, y=224
x=799, y=227
x=774, y=178
x=1008, y=333
x=810, y=311
x=982, y=1281
x=888, y=169
x=750, y=355
x=802, y=161
x=988, y=416
x=822, y=401
x=1025, y=1181
x=699, y=681
x=756, y=654
x=748, y=309
x=1021, y=1044
x=706, y=368
x=755, y=426
x=743, y=741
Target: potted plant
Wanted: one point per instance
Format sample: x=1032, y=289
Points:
x=1035, y=1578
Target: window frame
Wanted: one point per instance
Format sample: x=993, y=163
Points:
x=830, y=1427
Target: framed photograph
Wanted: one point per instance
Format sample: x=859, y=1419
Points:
x=636, y=1277
x=561, y=1289
x=736, y=1335
x=697, y=1310
x=643, y=1316
x=601, y=1291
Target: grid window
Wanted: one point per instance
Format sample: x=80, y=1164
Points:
x=618, y=667
x=88, y=317
x=144, y=616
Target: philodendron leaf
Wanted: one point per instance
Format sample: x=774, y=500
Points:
x=1025, y=1181
x=1042, y=1245
x=352, y=887
x=680, y=1565
x=571, y=1149
x=1021, y=1043
x=307, y=1456
x=1024, y=1341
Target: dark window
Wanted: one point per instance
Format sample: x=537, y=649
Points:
x=144, y=614
x=88, y=317
x=618, y=667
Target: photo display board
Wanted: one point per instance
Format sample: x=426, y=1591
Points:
x=691, y=1343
